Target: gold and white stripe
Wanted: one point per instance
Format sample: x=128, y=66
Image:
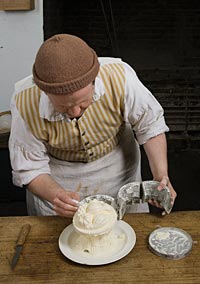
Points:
x=93, y=135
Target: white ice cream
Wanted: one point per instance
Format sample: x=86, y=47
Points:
x=97, y=246
x=94, y=230
x=95, y=218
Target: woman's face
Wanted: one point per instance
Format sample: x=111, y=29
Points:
x=74, y=104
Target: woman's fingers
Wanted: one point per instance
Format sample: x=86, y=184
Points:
x=62, y=212
x=154, y=203
x=66, y=203
x=163, y=183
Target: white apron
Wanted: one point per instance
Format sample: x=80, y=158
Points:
x=103, y=176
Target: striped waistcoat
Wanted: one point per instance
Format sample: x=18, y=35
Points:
x=90, y=137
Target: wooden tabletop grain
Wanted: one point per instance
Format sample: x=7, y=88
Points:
x=42, y=262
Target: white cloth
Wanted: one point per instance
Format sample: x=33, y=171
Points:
x=29, y=157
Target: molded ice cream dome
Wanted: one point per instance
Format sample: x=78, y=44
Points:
x=95, y=218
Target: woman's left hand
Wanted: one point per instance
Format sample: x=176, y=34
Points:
x=163, y=183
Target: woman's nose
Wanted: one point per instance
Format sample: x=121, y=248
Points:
x=75, y=111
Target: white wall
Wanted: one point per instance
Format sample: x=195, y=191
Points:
x=21, y=34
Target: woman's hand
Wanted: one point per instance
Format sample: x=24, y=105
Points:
x=163, y=183
x=66, y=203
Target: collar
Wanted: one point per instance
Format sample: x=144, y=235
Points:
x=46, y=108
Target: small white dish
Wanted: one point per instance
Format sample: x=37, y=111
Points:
x=121, y=227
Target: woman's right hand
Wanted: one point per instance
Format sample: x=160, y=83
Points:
x=66, y=203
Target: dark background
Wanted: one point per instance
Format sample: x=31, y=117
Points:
x=160, y=39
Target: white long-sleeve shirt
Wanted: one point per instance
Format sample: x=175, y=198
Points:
x=29, y=156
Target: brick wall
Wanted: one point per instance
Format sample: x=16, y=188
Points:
x=160, y=39
x=148, y=34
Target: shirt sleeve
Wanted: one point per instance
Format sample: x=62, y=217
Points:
x=141, y=109
x=28, y=155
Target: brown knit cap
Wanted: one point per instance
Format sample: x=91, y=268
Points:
x=64, y=64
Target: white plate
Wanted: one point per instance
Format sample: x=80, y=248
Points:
x=121, y=227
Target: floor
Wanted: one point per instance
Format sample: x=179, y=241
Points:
x=184, y=171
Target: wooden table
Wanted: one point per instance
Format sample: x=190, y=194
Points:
x=42, y=262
